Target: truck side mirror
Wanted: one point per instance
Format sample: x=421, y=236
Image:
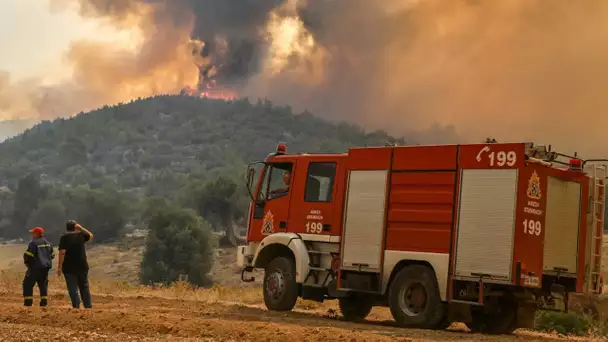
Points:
x=250, y=174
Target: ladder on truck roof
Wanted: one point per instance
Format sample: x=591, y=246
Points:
x=598, y=179
x=546, y=154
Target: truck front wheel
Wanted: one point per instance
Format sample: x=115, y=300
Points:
x=414, y=299
x=280, y=287
x=356, y=307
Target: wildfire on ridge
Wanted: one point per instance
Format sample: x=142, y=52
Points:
x=225, y=94
x=212, y=91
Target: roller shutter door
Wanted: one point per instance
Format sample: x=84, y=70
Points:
x=486, y=223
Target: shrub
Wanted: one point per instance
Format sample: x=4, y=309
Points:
x=178, y=247
x=570, y=324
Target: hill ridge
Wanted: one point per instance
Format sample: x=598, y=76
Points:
x=170, y=132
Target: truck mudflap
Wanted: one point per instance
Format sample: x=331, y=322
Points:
x=526, y=314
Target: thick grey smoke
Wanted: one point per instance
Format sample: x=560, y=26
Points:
x=512, y=69
x=231, y=30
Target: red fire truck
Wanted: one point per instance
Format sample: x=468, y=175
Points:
x=484, y=234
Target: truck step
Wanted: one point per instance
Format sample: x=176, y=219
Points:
x=316, y=268
x=318, y=286
x=465, y=302
x=312, y=251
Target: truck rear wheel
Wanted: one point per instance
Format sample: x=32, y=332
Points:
x=356, y=307
x=414, y=298
x=280, y=287
x=501, y=321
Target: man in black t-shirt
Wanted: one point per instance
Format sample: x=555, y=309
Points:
x=73, y=263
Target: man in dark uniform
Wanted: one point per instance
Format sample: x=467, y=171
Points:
x=38, y=259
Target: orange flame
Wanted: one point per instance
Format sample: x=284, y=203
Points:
x=212, y=92
x=220, y=94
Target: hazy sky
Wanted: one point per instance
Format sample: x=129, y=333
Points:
x=532, y=70
x=34, y=37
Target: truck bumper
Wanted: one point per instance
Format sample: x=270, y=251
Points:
x=244, y=259
x=244, y=256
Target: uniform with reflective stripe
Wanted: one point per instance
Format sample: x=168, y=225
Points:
x=39, y=255
x=39, y=260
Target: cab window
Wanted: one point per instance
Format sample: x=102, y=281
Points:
x=320, y=182
x=277, y=181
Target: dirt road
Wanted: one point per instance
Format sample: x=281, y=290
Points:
x=145, y=318
x=228, y=312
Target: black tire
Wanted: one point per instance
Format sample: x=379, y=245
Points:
x=445, y=323
x=280, y=287
x=502, y=321
x=356, y=307
x=425, y=314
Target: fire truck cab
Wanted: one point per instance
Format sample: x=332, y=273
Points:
x=484, y=234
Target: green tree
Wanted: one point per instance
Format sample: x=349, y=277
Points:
x=29, y=193
x=7, y=198
x=218, y=202
x=165, y=183
x=104, y=211
x=51, y=216
x=73, y=151
x=178, y=245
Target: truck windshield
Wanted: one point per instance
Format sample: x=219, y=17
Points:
x=277, y=180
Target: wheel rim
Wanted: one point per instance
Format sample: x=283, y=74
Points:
x=275, y=285
x=413, y=299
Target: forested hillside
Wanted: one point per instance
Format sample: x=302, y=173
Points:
x=105, y=166
x=108, y=167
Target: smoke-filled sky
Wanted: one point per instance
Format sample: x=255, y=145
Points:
x=439, y=71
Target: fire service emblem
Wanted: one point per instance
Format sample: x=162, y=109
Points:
x=267, y=225
x=534, y=187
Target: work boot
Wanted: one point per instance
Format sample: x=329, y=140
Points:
x=43, y=302
x=28, y=301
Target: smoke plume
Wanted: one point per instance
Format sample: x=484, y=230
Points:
x=436, y=71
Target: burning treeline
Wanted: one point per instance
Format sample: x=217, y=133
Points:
x=512, y=69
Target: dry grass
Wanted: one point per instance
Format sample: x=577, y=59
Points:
x=10, y=283
x=112, y=262
x=121, y=262
x=115, y=270
x=11, y=256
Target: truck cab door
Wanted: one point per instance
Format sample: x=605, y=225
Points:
x=314, y=197
x=270, y=210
